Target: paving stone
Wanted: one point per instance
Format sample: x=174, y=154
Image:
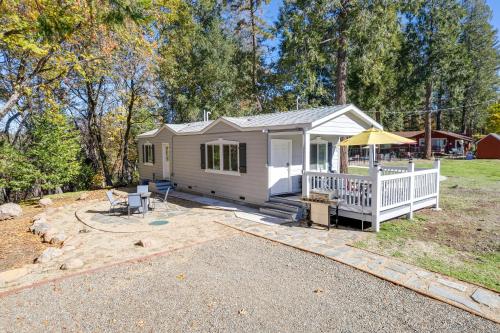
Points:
x=423, y=274
x=146, y=242
x=416, y=282
x=445, y=293
x=354, y=261
x=487, y=298
x=12, y=275
x=451, y=284
x=398, y=268
x=74, y=263
x=392, y=275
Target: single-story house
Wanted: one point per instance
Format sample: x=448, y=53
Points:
x=489, y=146
x=249, y=158
x=442, y=142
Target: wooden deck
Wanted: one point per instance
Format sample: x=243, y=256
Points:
x=386, y=193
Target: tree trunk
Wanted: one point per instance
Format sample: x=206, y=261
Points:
x=4, y=109
x=255, y=89
x=341, y=79
x=428, y=121
x=125, y=173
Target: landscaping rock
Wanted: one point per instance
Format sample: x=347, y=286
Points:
x=39, y=228
x=146, y=243
x=45, y=202
x=37, y=217
x=12, y=275
x=83, y=196
x=58, y=238
x=487, y=298
x=49, y=254
x=10, y=211
x=74, y=263
x=47, y=235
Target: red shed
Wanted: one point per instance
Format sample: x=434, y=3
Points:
x=489, y=146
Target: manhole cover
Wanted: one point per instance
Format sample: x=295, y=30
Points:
x=158, y=222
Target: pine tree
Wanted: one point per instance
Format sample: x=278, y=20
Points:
x=53, y=150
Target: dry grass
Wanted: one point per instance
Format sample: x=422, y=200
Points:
x=19, y=246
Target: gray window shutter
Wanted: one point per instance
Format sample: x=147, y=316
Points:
x=202, y=156
x=143, y=154
x=153, y=152
x=330, y=156
x=243, y=158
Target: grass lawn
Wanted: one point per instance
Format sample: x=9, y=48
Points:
x=462, y=240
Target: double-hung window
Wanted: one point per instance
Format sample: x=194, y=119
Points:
x=222, y=156
x=319, y=155
x=148, y=153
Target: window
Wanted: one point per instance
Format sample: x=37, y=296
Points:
x=148, y=153
x=319, y=155
x=222, y=157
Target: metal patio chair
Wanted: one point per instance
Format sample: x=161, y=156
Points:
x=135, y=203
x=113, y=202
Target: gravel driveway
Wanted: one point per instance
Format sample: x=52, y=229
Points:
x=238, y=284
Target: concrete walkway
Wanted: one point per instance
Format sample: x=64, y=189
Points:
x=335, y=245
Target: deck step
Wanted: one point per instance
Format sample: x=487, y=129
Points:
x=279, y=213
x=291, y=202
x=282, y=206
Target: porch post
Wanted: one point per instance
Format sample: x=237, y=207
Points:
x=371, y=156
x=306, y=140
x=411, y=170
x=375, y=173
x=437, y=166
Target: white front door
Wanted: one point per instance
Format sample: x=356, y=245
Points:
x=165, y=148
x=279, y=170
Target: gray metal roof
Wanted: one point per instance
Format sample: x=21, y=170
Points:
x=305, y=116
x=290, y=118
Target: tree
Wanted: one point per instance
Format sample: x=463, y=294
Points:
x=251, y=30
x=53, y=150
x=198, y=68
x=493, y=119
x=480, y=63
x=431, y=35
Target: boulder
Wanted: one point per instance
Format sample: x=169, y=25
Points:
x=83, y=196
x=45, y=202
x=49, y=254
x=58, y=238
x=39, y=228
x=74, y=263
x=146, y=243
x=40, y=216
x=10, y=211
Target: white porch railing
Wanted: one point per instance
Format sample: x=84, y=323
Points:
x=388, y=192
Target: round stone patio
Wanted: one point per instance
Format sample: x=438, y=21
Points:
x=97, y=216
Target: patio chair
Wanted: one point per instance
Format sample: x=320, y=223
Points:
x=135, y=203
x=113, y=202
x=164, y=199
x=142, y=189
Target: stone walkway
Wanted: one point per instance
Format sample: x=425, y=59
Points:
x=334, y=244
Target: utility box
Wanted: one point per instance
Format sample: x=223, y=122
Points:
x=320, y=213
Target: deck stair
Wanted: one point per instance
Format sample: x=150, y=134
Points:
x=284, y=208
x=160, y=186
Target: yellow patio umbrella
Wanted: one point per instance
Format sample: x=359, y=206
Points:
x=374, y=136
